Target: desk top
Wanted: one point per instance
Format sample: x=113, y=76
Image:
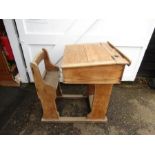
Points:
x=81, y=55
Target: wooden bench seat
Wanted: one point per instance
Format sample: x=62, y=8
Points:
x=47, y=87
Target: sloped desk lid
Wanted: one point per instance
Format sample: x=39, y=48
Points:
x=81, y=55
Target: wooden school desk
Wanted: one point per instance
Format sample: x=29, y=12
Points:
x=99, y=66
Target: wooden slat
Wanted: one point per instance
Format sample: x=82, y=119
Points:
x=75, y=119
x=72, y=96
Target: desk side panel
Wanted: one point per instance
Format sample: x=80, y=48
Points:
x=109, y=74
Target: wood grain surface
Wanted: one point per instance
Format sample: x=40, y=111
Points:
x=81, y=55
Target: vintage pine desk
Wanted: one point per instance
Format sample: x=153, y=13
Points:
x=97, y=65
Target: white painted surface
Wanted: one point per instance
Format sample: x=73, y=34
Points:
x=130, y=36
x=13, y=38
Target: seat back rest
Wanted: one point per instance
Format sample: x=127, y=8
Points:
x=42, y=55
x=35, y=68
x=49, y=66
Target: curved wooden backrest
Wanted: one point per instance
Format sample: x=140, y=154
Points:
x=43, y=55
x=49, y=66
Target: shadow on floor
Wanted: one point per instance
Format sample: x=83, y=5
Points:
x=131, y=111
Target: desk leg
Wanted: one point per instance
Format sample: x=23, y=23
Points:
x=100, y=101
